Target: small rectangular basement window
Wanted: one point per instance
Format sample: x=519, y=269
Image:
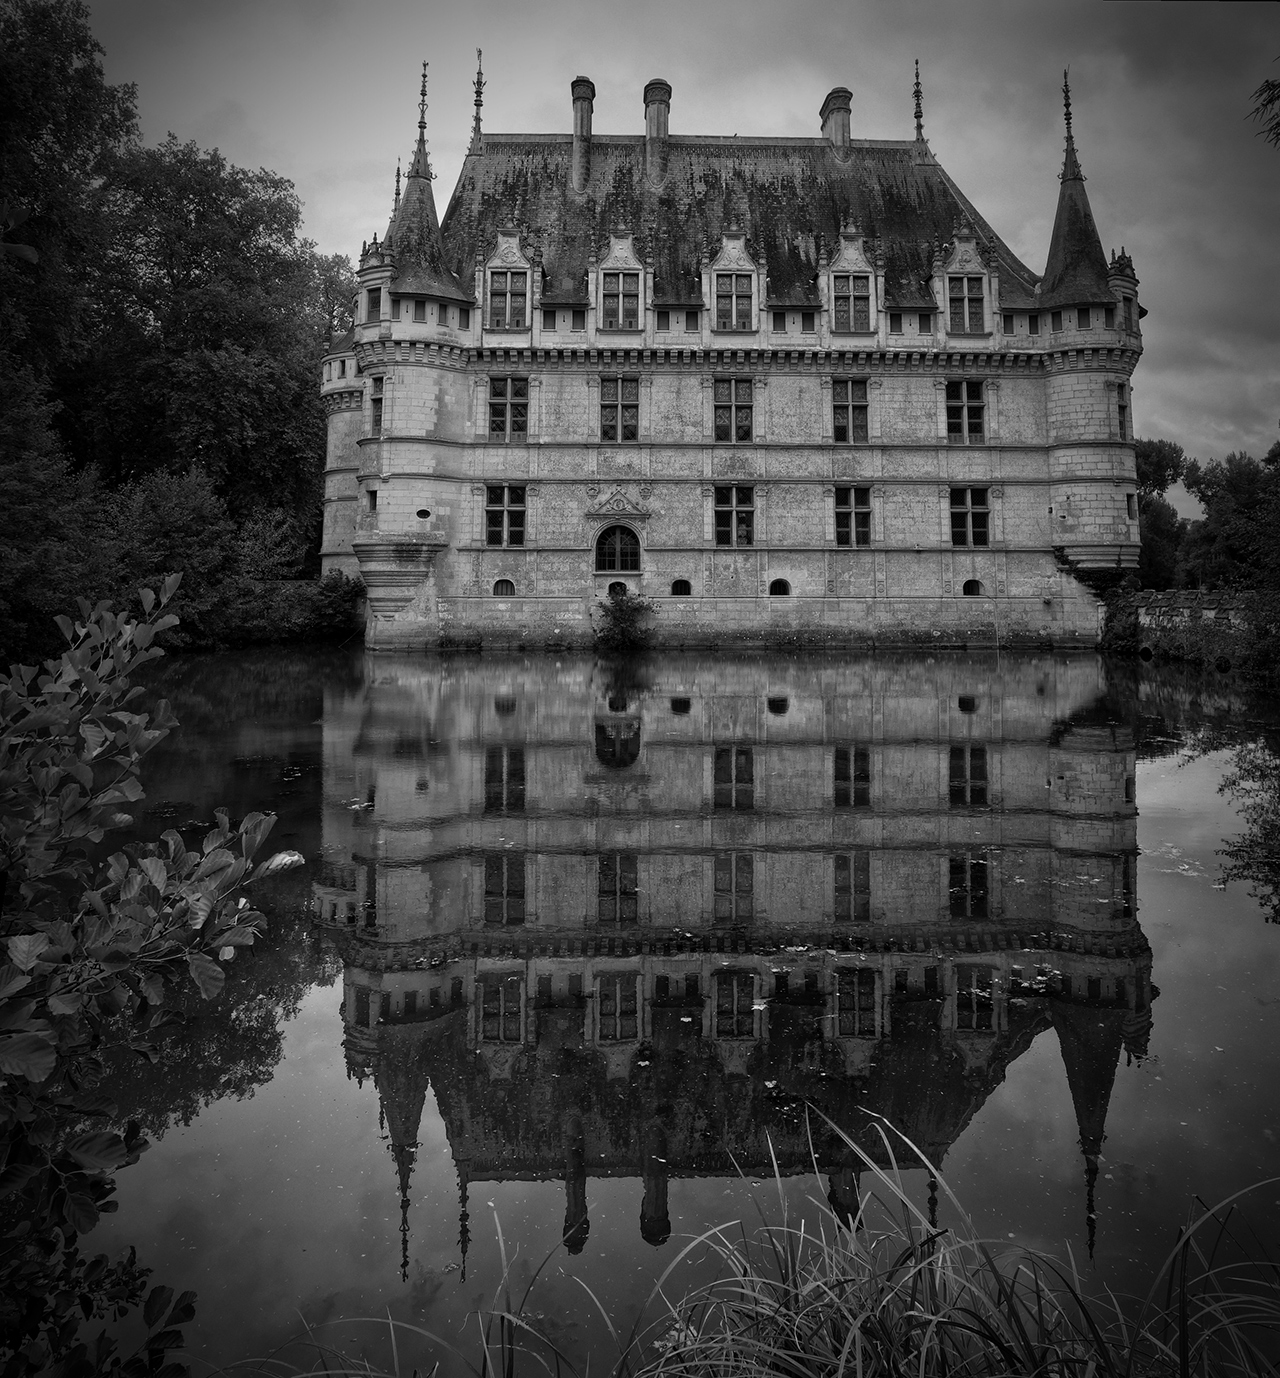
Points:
x=548, y=318
x=808, y=321
x=580, y=318
x=664, y=320
x=1008, y=322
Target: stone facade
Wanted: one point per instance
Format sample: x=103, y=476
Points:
x=591, y=913
x=785, y=388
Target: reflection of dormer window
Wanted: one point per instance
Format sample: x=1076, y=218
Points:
x=965, y=297
x=851, y=296
x=733, y=301
x=621, y=301
x=508, y=300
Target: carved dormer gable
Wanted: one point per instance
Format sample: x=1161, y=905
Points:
x=968, y=283
x=966, y=254
x=851, y=256
x=621, y=278
x=622, y=252
x=508, y=283
x=733, y=252
x=735, y=283
x=508, y=252
x=617, y=506
x=853, y=284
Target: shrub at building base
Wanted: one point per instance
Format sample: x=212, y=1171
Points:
x=624, y=623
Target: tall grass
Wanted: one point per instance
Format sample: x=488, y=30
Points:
x=888, y=1293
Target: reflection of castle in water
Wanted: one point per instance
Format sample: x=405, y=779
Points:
x=641, y=927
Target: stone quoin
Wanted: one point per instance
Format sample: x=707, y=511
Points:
x=786, y=388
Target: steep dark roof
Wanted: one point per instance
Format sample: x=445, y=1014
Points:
x=790, y=196
x=1076, y=273
x=414, y=237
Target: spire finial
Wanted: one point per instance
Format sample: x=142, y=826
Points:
x=396, y=207
x=479, y=85
x=918, y=92
x=422, y=101
x=1070, y=163
x=1066, y=98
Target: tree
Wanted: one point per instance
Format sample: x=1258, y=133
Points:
x=1163, y=532
x=1160, y=463
x=1233, y=545
x=1267, y=110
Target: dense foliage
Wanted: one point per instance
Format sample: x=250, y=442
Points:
x=161, y=324
x=99, y=953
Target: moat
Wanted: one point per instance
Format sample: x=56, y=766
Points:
x=580, y=950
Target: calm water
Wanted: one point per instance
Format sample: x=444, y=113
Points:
x=575, y=948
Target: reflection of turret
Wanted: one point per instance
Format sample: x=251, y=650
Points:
x=646, y=927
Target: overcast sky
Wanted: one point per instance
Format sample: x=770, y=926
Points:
x=326, y=93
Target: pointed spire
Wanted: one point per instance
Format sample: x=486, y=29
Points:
x=421, y=165
x=396, y=204
x=1070, y=163
x=479, y=85
x=918, y=92
x=1076, y=271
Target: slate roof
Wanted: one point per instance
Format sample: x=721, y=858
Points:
x=1076, y=273
x=789, y=195
x=414, y=237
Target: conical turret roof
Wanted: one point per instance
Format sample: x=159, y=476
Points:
x=414, y=233
x=1076, y=273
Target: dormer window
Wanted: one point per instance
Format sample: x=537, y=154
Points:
x=851, y=297
x=967, y=317
x=733, y=301
x=508, y=300
x=621, y=301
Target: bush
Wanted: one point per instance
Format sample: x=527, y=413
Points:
x=624, y=625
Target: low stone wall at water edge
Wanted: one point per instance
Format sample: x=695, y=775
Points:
x=1190, y=625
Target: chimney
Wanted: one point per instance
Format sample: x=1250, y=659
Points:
x=657, y=107
x=584, y=94
x=835, y=117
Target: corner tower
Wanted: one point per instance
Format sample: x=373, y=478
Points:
x=1093, y=347
x=405, y=402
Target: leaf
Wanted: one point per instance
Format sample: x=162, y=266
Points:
x=225, y=954
x=274, y=865
x=27, y=1055
x=155, y=870
x=25, y=949
x=207, y=974
x=147, y=598
x=101, y=1152
x=16, y=1177
x=166, y=1339
x=156, y=1305
x=241, y=936
x=81, y=1213
x=184, y=1309
x=11, y=981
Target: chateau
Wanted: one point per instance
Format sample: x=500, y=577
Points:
x=785, y=388
x=632, y=931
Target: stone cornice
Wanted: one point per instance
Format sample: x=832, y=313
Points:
x=346, y=399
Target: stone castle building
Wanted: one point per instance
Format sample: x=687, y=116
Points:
x=642, y=927
x=780, y=386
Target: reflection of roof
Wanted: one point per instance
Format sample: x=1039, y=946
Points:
x=715, y=1123
x=791, y=197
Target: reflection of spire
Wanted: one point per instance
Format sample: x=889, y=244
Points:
x=933, y=1202
x=475, y=127
x=918, y=92
x=843, y=1196
x=1090, y=1039
x=655, y=1219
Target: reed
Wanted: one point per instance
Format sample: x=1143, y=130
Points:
x=887, y=1293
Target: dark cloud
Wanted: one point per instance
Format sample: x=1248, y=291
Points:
x=326, y=93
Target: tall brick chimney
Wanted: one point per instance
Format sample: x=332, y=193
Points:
x=657, y=108
x=835, y=117
x=584, y=94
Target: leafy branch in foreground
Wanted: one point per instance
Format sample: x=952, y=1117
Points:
x=93, y=951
